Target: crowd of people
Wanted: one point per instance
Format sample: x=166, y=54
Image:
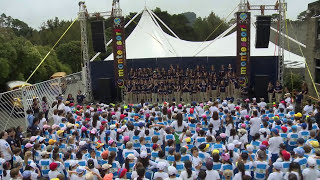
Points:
x=220, y=139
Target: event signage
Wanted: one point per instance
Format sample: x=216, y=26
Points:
x=243, y=47
x=119, y=51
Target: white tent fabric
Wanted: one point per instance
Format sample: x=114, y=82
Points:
x=148, y=40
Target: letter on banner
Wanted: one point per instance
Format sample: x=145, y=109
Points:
x=119, y=51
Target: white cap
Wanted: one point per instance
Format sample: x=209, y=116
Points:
x=312, y=161
x=41, y=139
x=33, y=165
x=143, y=154
x=172, y=170
x=230, y=146
x=236, y=142
x=81, y=143
x=249, y=147
x=161, y=166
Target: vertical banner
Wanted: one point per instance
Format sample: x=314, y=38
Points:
x=119, y=51
x=243, y=47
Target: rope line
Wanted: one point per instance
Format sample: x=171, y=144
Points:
x=51, y=50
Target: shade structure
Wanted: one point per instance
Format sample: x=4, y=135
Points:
x=148, y=40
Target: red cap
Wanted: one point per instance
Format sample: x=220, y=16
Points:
x=237, y=108
x=122, y=116
x=88, y=107
x=113, y=113
x=266, y=143
x=284, y=129
x=53, y=166
x=87, y=119
x=285, y=155
x=155, y=146
x=191, y=111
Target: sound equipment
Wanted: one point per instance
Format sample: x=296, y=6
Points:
x=98, y=36
x=107, y=91
x=261, y=86
x=104, y=93
x=263, y=31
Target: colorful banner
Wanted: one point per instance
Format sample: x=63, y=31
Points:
x=119, y=51
x=243, y=47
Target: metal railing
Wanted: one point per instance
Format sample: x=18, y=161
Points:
x=14, y=104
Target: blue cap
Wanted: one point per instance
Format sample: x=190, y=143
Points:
x=80, y=170
x=108, y=132
x=294, y=127
x=284, y=120
x=274, y=130
x=277, y=165
x=26, y=174
x=141, y=124
x=299, y=151
x=304, y=125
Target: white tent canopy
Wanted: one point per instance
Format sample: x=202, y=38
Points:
x=148, y=40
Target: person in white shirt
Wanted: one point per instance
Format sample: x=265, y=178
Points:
x=274, y=144
x=255, y=123
x=242, y=172
x=188, y=174
x=311, y=173
x=172, y=171
x=211, y=174
x=308, y=108
x=276, y=173
x=53, y=173
x=262, y=104
x=161, y=174
x=5, y=147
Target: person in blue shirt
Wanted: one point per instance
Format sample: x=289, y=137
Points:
x=30, y=117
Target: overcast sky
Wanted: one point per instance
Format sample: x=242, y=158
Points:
x=35, y=12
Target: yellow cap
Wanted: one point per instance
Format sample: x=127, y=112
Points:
x=60, y=132
x=52, y=141
x=315, y=144
x=215, y=151
x=188, y=139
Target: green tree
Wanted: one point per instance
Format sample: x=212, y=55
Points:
x=293, y=81
x=70, y=53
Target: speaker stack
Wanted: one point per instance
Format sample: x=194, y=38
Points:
x=98, y=36
x=263, y=31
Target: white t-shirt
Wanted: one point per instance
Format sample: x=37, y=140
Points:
x=238, y=176
x=275, y=176
x=274, y=144
x=310, y=174
x=184, y=175
x=212, y=175
x=55, y=119
x=255, y=125
x=42, y=121
x=173, y=178
x=4, y=146
x=177, y=128
x=216, y=124
x=308, y=109
x=162, y=175
x=53, y=174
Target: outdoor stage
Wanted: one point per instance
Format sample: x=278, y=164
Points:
x=262, y=70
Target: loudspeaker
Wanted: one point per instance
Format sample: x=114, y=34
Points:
x=263, y=31
x=105, y=90
x=261, y=86
x=98, y=37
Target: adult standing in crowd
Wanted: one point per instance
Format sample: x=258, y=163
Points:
x=5, y=147
x=278, y=91
x=270, y=92
x=45, y=106
x=80, y=98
